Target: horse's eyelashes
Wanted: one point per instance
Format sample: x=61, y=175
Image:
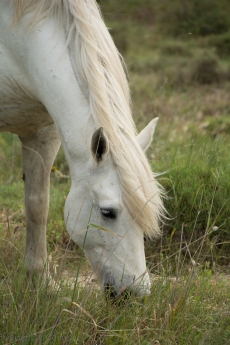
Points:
x=108, y=213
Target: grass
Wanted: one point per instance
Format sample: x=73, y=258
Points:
x=191, y=308
x=186, y=83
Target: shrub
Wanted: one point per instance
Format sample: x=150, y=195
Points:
x=221, y=44
x=206, y=69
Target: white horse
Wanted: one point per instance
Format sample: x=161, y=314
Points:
x=62, y=77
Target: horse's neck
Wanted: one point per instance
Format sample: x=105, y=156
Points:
x=55, y=80
x=47, y=72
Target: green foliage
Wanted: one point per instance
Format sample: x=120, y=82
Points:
x=175, y=48
x=221, y=44
x=196, y=17
x=178, y=18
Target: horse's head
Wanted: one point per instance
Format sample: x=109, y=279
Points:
x=98, y=221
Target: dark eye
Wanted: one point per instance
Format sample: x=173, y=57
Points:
x=108, y=213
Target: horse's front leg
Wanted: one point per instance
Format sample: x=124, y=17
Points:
x=38, y=153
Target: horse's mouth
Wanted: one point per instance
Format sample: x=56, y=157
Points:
x=117, y=297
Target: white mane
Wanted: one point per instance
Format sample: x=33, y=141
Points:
x=101, y=67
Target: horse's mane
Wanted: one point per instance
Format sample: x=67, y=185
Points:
x=101, y=67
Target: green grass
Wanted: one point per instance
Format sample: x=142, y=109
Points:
x=189, y=309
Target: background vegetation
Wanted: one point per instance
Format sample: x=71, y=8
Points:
x=177, y=53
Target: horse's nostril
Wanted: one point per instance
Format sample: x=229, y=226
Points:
x=110, y=292
x=118, y=298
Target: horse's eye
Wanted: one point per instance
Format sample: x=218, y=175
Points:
x=108, y=213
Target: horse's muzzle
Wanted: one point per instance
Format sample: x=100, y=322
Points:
x=114, y=295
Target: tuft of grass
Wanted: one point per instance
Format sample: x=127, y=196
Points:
x=10, y=158
x=198, y=197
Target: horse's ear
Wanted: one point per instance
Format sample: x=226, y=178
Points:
x=145, y=137
x=99, y=145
